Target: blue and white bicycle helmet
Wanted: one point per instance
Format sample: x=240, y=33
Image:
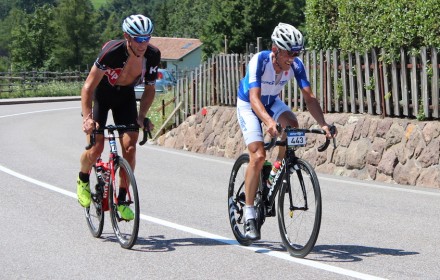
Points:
x=137, y=25
x=287, y=37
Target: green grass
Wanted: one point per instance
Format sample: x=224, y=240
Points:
x=43, y=90
x=156, y=114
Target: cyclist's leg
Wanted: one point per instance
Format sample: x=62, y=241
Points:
x=101, y=106
x=125, y=113
x=253, y=136
x=89, y=157
x=285, y=117
x=257, y=155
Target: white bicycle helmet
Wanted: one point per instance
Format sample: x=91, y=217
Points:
x=137, y=25
x=287, y=37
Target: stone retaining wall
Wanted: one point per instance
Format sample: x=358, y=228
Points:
x=368, y=147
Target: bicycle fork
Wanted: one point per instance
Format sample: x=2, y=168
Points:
x=303, y=190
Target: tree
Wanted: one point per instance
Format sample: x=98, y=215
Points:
x=161, y=18
x=31, y=46
x=29, y=6
x=112, y=14
x=257, y=18
x=76, y=39
x=5, y=7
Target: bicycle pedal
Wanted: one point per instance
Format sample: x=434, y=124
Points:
x=271, y=213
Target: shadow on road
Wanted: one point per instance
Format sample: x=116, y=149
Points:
x=158, y=243
x=325, y=253
x=353, y=253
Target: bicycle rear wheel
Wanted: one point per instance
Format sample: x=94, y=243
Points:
x=126, y=231
x=94, y=213
x=236, y=199
x=299, y=209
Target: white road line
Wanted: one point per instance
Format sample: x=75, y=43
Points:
x=280, y=255
x=35, y=112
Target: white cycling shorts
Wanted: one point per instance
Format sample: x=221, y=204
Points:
x=250, y=124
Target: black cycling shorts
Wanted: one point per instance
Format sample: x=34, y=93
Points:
x=120, y=99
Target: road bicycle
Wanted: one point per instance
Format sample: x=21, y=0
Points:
x=106, y=181
x=299, y=196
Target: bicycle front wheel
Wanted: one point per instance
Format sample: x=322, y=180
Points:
x=299, y=209
x=126, y=229
x=236, y=199
x=94, y=213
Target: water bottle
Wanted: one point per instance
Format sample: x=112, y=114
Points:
x=273, y=173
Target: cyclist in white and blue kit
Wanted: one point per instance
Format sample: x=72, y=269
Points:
x=258, y=102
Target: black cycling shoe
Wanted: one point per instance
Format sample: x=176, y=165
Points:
x=251, y=230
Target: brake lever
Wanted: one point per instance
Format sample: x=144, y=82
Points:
x=332, y=132
x=146, y=131
x=92, y=141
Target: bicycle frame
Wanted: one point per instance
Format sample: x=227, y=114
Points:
x=288, y=161
x=108, y=168
x=275, y=187
x=109, y=188
x=295, y=186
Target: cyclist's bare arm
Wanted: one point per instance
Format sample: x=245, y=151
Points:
x=145, y=104
x=257, y=106
x=316, y=111
x=87, y=90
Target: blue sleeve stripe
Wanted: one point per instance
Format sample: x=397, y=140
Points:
x=300, y=73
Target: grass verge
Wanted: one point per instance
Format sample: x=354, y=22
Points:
x=156, y=113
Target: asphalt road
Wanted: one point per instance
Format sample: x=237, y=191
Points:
x=369, y=230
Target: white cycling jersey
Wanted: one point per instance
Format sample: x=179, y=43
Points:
x=260, y=73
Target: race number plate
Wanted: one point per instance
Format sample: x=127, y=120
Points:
x=296, y=138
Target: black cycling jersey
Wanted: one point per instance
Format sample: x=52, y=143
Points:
x=120, y=99
x=113, y=57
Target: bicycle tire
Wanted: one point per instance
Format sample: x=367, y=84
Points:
x=299, y=229
x=126, y=231
x=94, y=213
x=236, y=199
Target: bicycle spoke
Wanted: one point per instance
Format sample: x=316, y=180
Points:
x=126, y=230
x=300, y=210
x=236, y=199
x=94, y=214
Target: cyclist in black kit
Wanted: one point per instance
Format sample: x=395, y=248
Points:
x=120, y=66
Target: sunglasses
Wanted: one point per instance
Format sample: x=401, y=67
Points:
x=293, y=53
x=141, y=39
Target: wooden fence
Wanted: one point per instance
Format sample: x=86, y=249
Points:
x=22, y=81
x=356, y=83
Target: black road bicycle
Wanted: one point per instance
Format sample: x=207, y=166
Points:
x=299, y=196
x=107, y=179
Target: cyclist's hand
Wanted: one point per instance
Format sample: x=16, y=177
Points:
x=140, y=122
x=330, y=130
x=89, y=124
x=272, y=129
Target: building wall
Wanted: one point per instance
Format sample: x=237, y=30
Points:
x=189, y=62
